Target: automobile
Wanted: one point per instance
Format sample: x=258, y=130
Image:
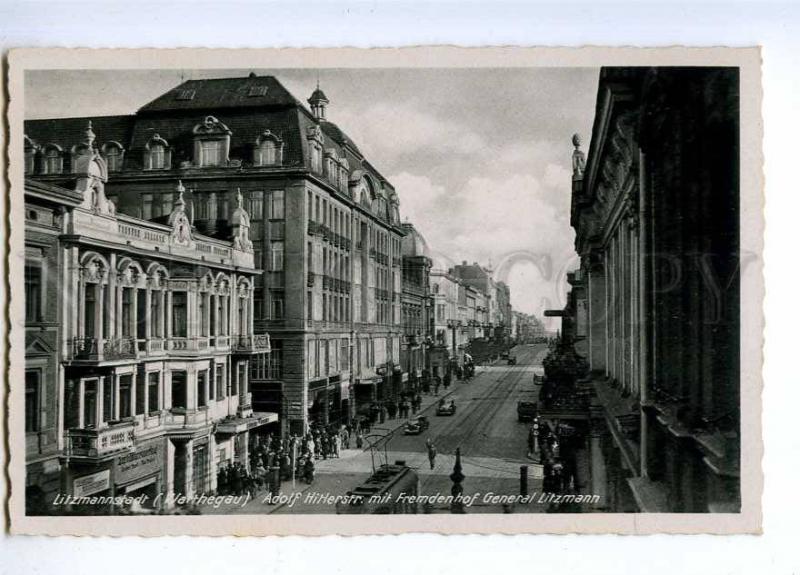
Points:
x=504, y=355
x=446, y=408
x=526, y=410
x=512, y=360
x=416, y=425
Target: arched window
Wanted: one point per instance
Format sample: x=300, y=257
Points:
x=30, y=155
x=157, y=154
x=112, y=152
x=268, y=150
x=212, y=141
x=53, y=160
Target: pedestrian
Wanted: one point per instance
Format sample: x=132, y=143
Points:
x=360, y=439
x=337, y=445
x=431, y=452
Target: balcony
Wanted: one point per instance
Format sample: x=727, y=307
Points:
x=93, y=349
x=100, y=443
x=314, y=228
x=180, y=418
x=326, y=232
x=258, y=343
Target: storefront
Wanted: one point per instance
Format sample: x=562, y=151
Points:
x=140, y=472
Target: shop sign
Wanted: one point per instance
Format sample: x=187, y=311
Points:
x=91, y=484
x=144, y=461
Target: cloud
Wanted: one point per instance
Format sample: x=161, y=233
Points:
x=511, y=221
x=391, y=129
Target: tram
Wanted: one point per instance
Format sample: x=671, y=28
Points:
x=386, y=492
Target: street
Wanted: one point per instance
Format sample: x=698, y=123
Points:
x=493, y=444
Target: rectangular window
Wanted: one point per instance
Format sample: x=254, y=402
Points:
x=201, y=388
x=32, y=391
x=108, y=399
x=33, y=291
x=90, y=403
x=153, y=391
x=276, y=360
x=140, y=387
x=219, y=380
x=276, y=205
x=309, y=305
x=147, y=206
x=276, y=256
x=255, y=209
x=211, y=153
x=344, y=354
x=125, y=396
x=277, y=302
x=166, y=205
x=222, y=206
x=179, y=323
x=179, y=389
x=127, y=311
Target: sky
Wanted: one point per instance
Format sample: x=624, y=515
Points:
x=480, y=158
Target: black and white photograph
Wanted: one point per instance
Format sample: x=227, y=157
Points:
x=522, y=293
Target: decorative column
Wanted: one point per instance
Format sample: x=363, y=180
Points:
x=598, y=465
x=148, y=315
x=168, y=314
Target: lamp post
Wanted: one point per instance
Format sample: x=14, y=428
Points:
x=457, y=477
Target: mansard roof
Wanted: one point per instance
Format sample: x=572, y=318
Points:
x=68, y=132
x=223, y=93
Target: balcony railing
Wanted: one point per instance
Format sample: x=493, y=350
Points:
x=93, y=349
x=258, y=342
x=310, y=279
x=97, y=443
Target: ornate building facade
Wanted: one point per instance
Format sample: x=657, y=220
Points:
x=324, y=226
x=416, y=306
x=655, y=207
x=145, y=387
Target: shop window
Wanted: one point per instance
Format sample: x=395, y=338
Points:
x=32, y=392
x=179, y=389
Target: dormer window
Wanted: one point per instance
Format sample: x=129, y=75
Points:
x=314, y=135
x=212, y=140
x=210, y=153
x=157, y=154
x=30, y=155
x=268, y=150
x=53, y=160
x=112, y=153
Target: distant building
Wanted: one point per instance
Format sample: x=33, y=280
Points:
x=415, y=308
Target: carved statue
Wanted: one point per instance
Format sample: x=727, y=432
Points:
x=578, y=157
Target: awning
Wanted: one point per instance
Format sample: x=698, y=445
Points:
x=369, y=381
x=242, y=424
